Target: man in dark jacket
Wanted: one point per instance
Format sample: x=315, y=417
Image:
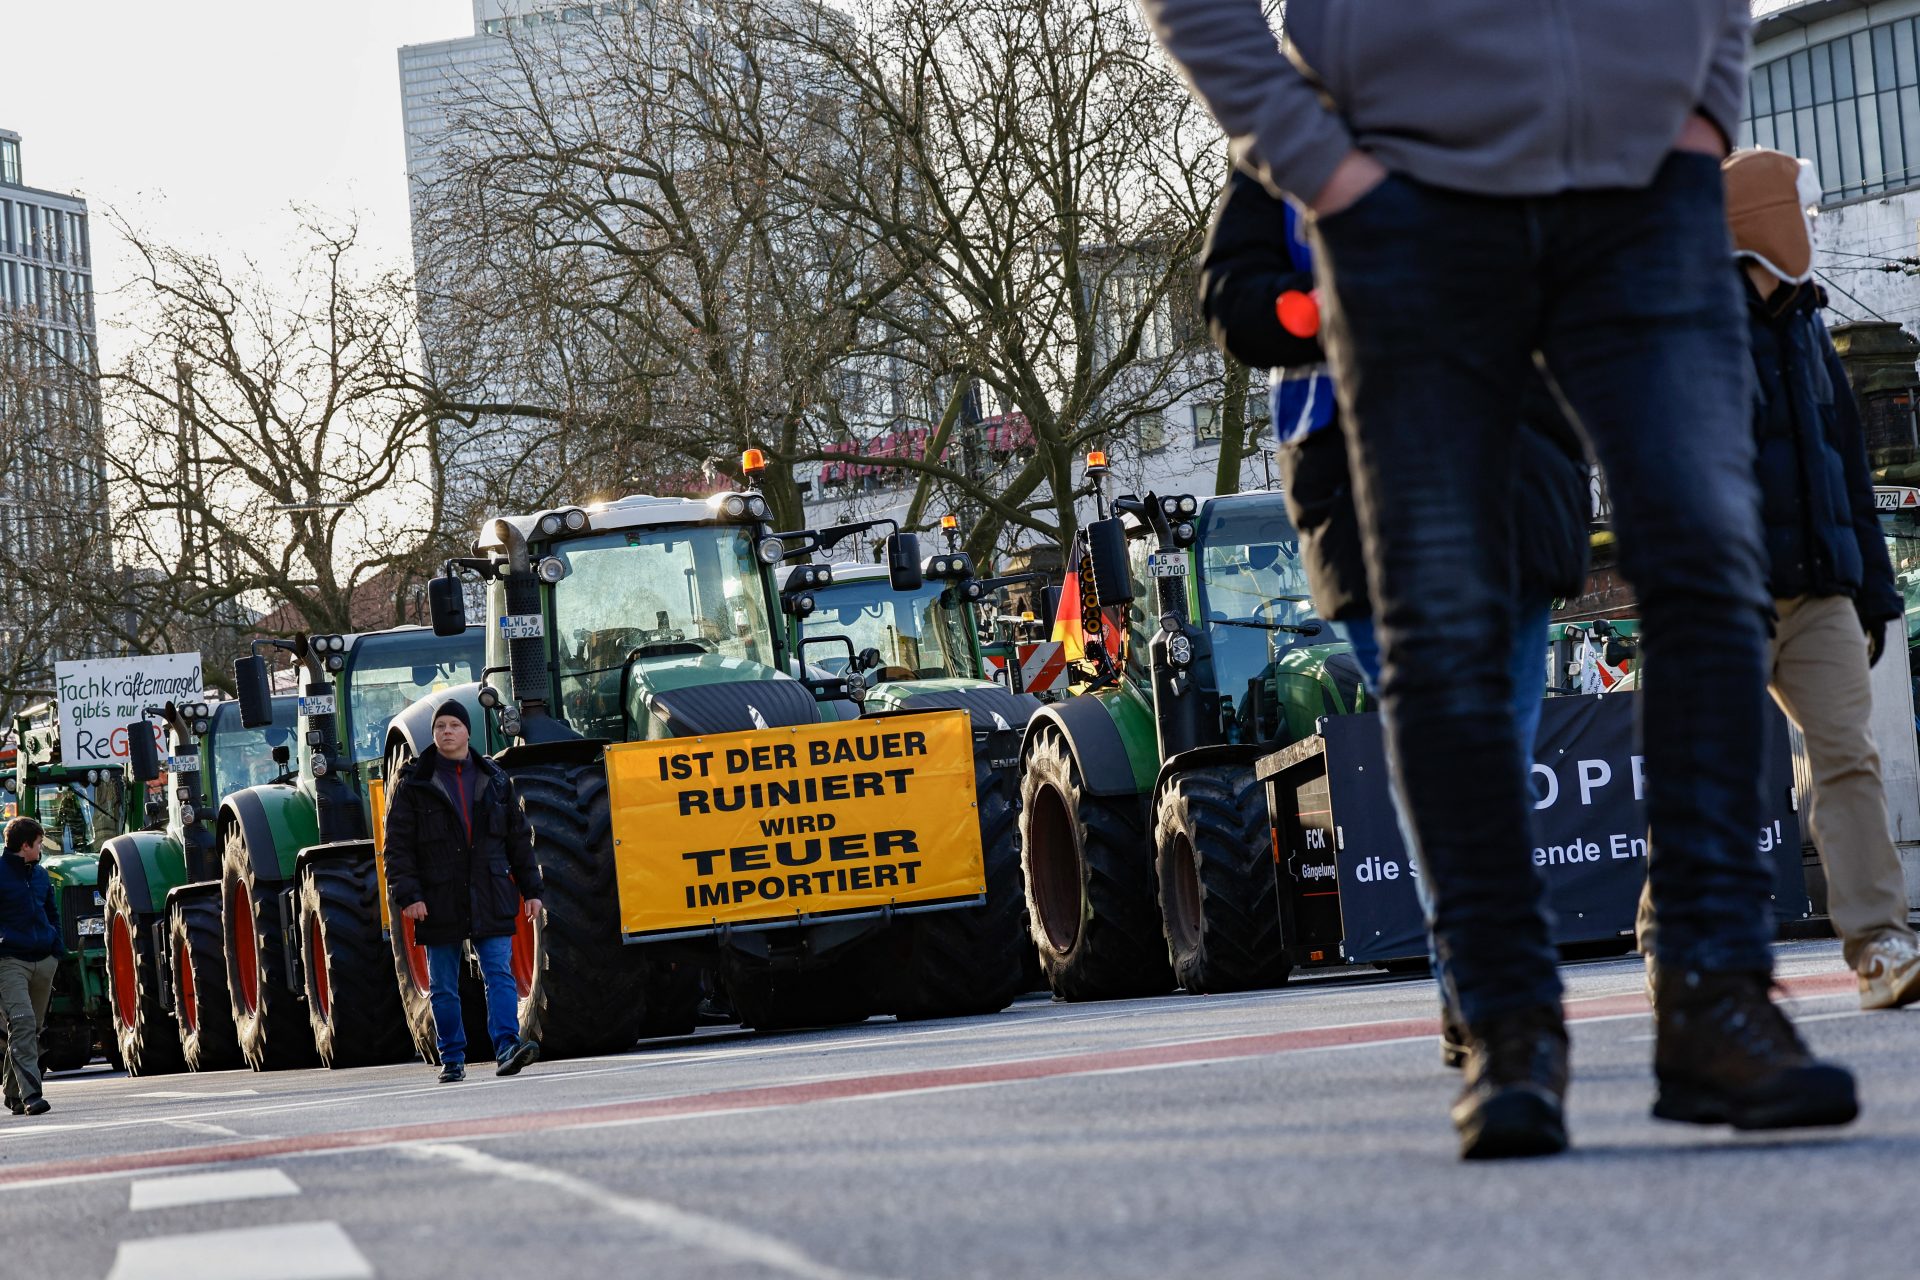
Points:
x=1829, y=571
x=1495, y=185
x=460, y=860
x=30, y=951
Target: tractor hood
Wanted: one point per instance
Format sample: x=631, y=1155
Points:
x=683, y=696
x=990, y=705
x=65, y=869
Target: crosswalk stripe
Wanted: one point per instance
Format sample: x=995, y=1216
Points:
x=298, y=1251
x=209, y=1188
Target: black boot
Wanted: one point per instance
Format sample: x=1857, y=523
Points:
x=1725, y=1054
x=453, y=1072
x=1513, y=1103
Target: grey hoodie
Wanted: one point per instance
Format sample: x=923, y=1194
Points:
x=1494, y=97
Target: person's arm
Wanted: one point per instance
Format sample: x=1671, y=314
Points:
x=1243, y=271
x=403, y=835
x=1879, y=600
x=53, y=917
x=526, y=871
x=1724, y=96
x=1282, y=132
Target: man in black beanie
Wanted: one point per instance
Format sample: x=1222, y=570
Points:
x=460, y=861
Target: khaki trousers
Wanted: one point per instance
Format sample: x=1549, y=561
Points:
x=1817, y=671
x=25, y=988
x=1819, y=677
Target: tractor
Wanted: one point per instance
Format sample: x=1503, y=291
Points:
x=916, y=650
x=1144, y=832
x=308, y=967
x=696, y=808
x=79, y=806
x=168, y=971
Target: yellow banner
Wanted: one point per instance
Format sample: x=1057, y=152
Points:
x=377, y=801
x=775, y=823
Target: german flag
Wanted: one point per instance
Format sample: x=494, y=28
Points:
x=1080, y=615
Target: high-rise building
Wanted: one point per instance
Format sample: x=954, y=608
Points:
x=52, y=490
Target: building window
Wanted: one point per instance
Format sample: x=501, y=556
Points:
x=1851, y=105
x=1206, y=424
x=10, y=161
x=1153, y=432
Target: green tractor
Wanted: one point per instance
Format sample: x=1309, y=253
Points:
x=308, y=966
x=915, y=650
x=1144, y=829
x=79, y=806
x=648, y=634
x=167, y=973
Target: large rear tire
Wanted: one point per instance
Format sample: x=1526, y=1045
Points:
x=972, y=961
x=585, y=992
x=353, y=1002
x=142, y=1030
x=674, y=992
x=202, y=1010
x=1090, y=883
x=267, y=1020
x=1219, y=897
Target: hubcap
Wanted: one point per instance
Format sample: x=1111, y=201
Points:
x=189, y=994
x=1053, y=860
x=120, y=963
x=524, y=950
x=416, y=958
x=246, y=951
x=1187, y=920
x=317, y=966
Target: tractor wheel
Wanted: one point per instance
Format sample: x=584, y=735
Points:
x=833, y=993
x=1219, y=897
x=202, y=1010
x=582, y=990
x=271, y=1028
x=674, y=992
x=148, y=1043
x=353, y=1004
x=1090, y=888
x=65, y=1046
x=972, y=961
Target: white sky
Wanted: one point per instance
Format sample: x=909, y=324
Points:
x=204, y=121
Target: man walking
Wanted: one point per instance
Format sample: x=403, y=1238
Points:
x=30, y=951
x=1495, y=188
x=460, y=859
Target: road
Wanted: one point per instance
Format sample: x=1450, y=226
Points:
x=1299, y=1132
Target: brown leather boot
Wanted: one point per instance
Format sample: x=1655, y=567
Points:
x=1514, y=1098
x=1724, y=1053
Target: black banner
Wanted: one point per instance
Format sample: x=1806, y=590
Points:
x=1589, y=827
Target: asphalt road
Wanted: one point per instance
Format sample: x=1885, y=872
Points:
x=1293, y=1133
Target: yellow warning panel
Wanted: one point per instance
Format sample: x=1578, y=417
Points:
x=377, y=802
x=772, y=824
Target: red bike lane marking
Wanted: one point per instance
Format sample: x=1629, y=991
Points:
x=766, y=1097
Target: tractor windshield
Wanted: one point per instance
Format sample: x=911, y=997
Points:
x=243, y=757
x=631, y=595
x=916, y=636
x=1252, y=597
x=391, y=672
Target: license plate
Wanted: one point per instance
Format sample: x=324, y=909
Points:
x=522, y=626
x=319, y=704
x=183, y=764
x=1164, y=564
x=91, y=927
x=99, y=898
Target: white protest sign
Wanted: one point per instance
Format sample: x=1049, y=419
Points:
x=100, y=697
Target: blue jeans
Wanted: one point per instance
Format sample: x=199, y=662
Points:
x=1437, y=304
x=1526, y=666
x=503, y=997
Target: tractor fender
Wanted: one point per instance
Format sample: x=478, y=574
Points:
x=337, y=851
x=1202, y=757
x=140, y=859
x=991, y=707
x=277, y=821
x=414, y=726
x=1095, y=740
x=185, y=892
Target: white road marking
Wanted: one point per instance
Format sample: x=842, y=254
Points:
x=209, y=1188
x=199, y=1126
x=694, y=1229
x=197, y=1093
x=299, y=1251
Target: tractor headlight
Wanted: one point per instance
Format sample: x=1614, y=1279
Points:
x=735, y=506
x=336, y=662
x=576, y=520
x=939, y=567
x=552, y=523
x=320, y=765
x=315, y=737
x=510, y=722
x=974, y=591
x=803, y=605
x=93, y=778
x=184, y=793
x=1183, y=534
x=1170, y=505
x=188, y=813
x=770, y=550
x=489, y=696
x=201, y=727
x=550, y=570
x=757, y=507
x=1188, y=506
x=1179, y=650
x=856, y=685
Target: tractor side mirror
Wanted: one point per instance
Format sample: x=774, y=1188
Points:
x=868, y=659
x=281, y=755
x=447, y=605
x=143, y=757
x=254, y=690
x=903, y=561
x=1107, y=549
